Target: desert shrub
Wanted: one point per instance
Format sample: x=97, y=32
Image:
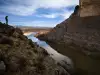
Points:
x=6, y=40
x=39, y=63
x=18, y=31
x=2, y=68
x=22, y=63
x=31, y=43
x=0, y=22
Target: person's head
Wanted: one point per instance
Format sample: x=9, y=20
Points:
x=6, y=16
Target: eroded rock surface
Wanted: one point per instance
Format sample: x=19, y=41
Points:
x=89, y=8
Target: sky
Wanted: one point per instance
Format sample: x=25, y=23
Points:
x=43, y=13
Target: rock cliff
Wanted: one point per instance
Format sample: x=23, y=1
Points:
x=78, y=37
x=82, y=27
x=89, y=8
x=19, y=56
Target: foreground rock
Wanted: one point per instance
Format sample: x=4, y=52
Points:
x=19, y=56
x=79, y=36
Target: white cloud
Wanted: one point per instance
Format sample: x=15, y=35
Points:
x=19, y=10
x=56, y=3
x=65, y=14
x=28, y=7
x=54, y=15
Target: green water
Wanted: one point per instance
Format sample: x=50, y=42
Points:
x=84, y=64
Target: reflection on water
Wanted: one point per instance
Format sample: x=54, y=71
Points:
x=42, y=44
x=34, y=39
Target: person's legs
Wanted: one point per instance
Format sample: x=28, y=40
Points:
x=6, y=21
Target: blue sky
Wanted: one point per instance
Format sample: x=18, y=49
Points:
x=44, y=13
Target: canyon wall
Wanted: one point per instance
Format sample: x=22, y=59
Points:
x=79, y=37
x=89, y=8
x=82, y=27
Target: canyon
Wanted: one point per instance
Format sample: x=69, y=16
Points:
x=70, y=48
x=78, y=37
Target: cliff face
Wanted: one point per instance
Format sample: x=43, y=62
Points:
x=83, y=23
x=79, y=37
x=89, y=8
x=21, y=57
x=85, y=18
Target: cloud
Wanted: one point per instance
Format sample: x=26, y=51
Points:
x=29, y=7
x=19, y=10
x=54, y=15
x=65, y=14
x=57, y=3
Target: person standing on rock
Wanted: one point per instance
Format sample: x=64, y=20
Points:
x=6, y=18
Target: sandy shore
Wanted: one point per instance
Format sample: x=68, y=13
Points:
x=27, y=33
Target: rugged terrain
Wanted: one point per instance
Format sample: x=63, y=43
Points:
x=20, y=56
x=78, y=37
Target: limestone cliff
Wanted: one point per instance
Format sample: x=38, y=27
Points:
x=79, y=37
x=82, y=26
x=89, y=8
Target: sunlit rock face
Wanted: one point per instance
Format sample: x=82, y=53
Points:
x=89, y=8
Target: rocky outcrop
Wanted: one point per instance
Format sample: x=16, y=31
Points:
x=89, y=8
x=20, y=56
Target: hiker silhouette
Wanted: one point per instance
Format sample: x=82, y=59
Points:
x=6, y=18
